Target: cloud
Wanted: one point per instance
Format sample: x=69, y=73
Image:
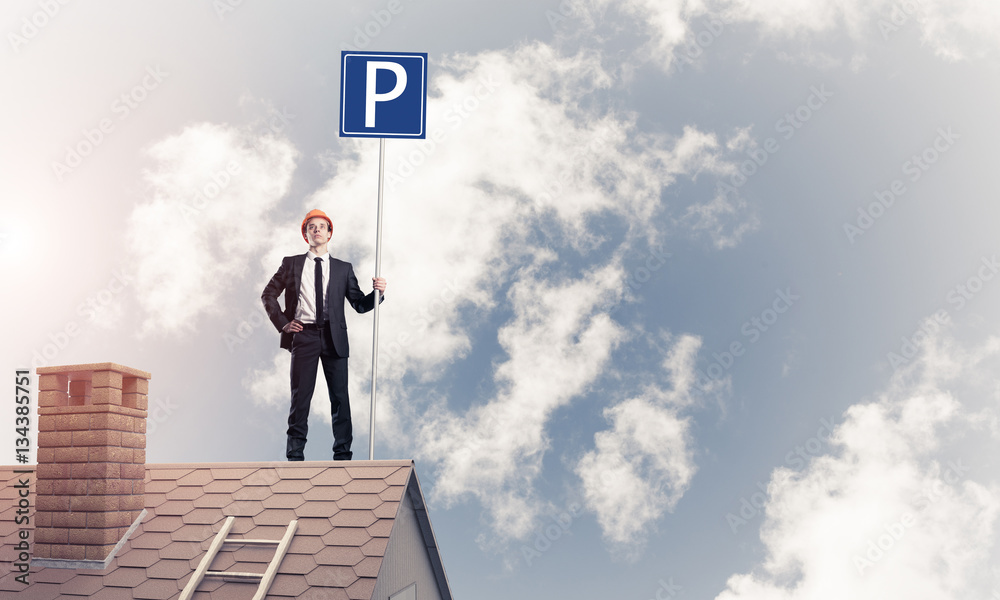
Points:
x=795, y=17
x=902, y=507
x=716, y=218
x=953, y=30
x=270, y=386
x=557, y=345
x=206, y=209
x=504, y=237
x=512, y=187
x=959, y=30
x=641, y=466
x=681, y=30
x=663, y=25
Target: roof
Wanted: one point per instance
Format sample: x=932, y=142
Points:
x=345, y=513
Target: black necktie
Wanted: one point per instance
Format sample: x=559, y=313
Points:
x=319, y=291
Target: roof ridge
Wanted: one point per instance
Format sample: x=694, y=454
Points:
x=289, y=464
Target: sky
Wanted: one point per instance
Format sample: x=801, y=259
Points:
x=686, y=299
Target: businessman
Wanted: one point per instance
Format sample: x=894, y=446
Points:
x=313, y=328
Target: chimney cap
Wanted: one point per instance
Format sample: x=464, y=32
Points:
x=85, y=370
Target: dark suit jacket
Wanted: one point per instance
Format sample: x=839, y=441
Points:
x=342, y=285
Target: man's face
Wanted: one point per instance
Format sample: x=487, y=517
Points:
x=318, y=231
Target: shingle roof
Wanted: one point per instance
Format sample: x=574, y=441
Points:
x=345, y=514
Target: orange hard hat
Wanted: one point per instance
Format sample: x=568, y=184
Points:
x=315, y=213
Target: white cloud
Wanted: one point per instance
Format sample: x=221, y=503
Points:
x=481, y=221
x=960, y=30
x=557, y=345
x=683, y=29
x=954, y=30
x=270, y=386
x=665, y=25
x=794, y=17
x=206, y=210
x=641, y=466
x=491, y=220
x=903, y=508
x=724, y=219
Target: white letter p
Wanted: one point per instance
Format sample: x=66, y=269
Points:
x=371, y=97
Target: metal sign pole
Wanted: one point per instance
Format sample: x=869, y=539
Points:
x=378, y=295
x=401, y=112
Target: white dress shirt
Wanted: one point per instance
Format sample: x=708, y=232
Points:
x=306, y=310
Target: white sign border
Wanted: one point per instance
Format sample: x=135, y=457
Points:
x=343, y=94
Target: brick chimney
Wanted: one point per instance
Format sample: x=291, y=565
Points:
x=91, y=462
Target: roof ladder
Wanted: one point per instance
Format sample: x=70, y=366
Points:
x=265, y=578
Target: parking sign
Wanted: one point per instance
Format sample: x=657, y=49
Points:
x=383, y=94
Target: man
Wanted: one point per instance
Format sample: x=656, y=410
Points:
x=313, y=328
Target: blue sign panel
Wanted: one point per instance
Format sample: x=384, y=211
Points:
x=383, y=94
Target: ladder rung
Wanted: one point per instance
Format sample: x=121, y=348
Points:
x=248, y=541
x=238, y=574
x=206, y=560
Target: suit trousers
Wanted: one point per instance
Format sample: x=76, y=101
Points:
x=310, y=347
